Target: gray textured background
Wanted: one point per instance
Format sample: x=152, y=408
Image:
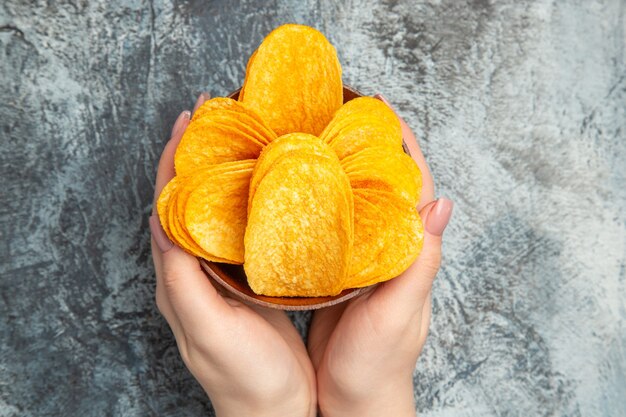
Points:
x=521, y=107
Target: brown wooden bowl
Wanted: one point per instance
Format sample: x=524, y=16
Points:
x=231, y=279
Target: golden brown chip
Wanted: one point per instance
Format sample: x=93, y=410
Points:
x=225, y=103
x=215, y=212
x=370, y=234
x=239, y=114
x=281, y=146
x=178, y=232
x=294, y=80
x=243, y=87
x=405, y=235
x=362, y=134
x=162, y=205
x=173, y=210
x=208, y=141
x=362, y=110
x=299, y=236
x=385, y=169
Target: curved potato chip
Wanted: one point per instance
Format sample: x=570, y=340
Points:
x=282, y=146
x=381, y=168
x=172, y=204
x=362, y=134
x=207, y=141
x=177, y=230
x=362, y=110
x=405, y=237
x=243, y=87
x=299, y=236
x=216, y=212
x=370, y=234
x=294, y=80
x=162, y=205
x=238, y=111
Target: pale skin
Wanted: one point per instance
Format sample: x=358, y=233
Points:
x=252, y=361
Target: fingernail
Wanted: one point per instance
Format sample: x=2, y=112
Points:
x=439, y=216
x=384, y=100
x=160, y=238
x=180, y=120
x=201, y=99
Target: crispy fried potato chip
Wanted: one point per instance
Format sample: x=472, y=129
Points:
x=162, y=204
x=361, y=123
x=299, y=235
x=385, y=169
x=230, y=179
x=209, y=142
x=294, y=80
x=403, y=242
x=363, y=134
x=243, y=87
x=179, y=234
x=222, y=130
x=370, y=234
x=216, y=212
x=239, y=111
x=281, y=146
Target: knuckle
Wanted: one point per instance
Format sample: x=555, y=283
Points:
x=431, y=263
x=171, y=279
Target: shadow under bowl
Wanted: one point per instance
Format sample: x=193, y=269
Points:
x=231, y=279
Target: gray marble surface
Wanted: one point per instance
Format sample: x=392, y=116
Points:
x=521, y=109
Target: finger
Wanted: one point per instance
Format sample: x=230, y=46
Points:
x=428, y=186
x=160, y=241
x=165, y=171
x=409, y=290
x=162, y=302
x=192, y=298
x=425, y=321
x=201, y=99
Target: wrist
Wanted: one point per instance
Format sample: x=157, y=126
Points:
x=391, y=400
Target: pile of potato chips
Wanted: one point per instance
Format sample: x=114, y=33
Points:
x=311, y=195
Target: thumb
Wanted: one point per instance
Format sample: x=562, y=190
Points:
x=411, y=288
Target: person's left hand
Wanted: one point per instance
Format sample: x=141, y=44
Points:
x=364, y=350
x=249, y=361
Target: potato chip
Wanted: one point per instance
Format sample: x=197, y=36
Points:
x=294, y=80
x=215, y=214
x=405, y=235
x=382, y=168
x=298, y=241
x=362, y=110
x=173, y=209
x=363, y=134
x=370, y=234
x=178, y=233
x=281, y=146
x=240, y=112
x=243, y=87
x=208, y=141
x=162, y=204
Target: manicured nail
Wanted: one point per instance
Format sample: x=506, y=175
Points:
x=201, y=99
x=384, y=100
x=439, y=216
x=160, y=238
x=180, y=120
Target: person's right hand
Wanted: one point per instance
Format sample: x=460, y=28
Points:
x=365, y=350
x=250, y=361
